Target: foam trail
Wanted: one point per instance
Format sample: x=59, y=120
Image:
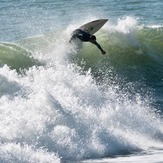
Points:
x=23, y=153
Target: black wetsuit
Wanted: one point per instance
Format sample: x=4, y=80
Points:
x=82, y=35
x=85, y=37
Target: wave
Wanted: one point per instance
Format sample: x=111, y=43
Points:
x=128, y=45
x=132, y=56
x=81, y=104
x=16, y=57
x=140, y=47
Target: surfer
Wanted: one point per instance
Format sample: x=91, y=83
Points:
x=86, y=37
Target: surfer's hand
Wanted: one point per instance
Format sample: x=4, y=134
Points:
x=103, y=52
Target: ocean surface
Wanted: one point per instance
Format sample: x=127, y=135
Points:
x=67, y=103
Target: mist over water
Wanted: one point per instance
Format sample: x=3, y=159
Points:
x=67, y=102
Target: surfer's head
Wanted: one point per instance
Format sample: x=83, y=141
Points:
x=92, y=38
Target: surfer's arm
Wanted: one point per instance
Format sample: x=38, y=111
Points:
x=72, y=38
x=102, y=51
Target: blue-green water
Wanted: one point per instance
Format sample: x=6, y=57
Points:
x=63, y=103
x=21, y=19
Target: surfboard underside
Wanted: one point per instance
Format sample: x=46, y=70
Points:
x=93, y=26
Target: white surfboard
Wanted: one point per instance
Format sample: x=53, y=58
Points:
x=93, y=26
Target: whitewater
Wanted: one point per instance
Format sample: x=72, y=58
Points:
x=62, y=102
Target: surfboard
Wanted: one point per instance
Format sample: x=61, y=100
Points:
x=93, y=26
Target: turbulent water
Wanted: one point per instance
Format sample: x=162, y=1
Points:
x=62, y=102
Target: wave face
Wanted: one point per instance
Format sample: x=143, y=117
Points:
x=16, y=57
x=134, y=56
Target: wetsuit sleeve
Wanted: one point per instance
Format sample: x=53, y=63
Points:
x=73, y=37
x=99, y=47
